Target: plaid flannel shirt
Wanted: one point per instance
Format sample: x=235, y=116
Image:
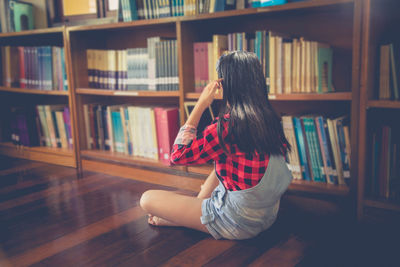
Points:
x=236, y=170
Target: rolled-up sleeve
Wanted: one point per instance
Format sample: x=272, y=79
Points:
x=191, y=149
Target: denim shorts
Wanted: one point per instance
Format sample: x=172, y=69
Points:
x=244, y=214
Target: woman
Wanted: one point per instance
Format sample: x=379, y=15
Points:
x=240, y=198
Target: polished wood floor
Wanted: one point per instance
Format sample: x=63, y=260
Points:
x=50, y=217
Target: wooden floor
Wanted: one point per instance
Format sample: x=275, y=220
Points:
x=50, y=217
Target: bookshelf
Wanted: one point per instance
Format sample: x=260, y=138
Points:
x=32, y=91
x=27, y=97
x=336, y=22
x=380, y=23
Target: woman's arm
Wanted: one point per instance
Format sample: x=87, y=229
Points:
x=209, y=185
x=205, y=100
x=190, y=148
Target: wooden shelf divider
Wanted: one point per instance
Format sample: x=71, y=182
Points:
x=382, y=204
x=92, y=91
x=120, y=158
x=296, y=185
x=383, y=104
x=340, y=96
x=57, y=30
x=59, y=156
x=33, y=91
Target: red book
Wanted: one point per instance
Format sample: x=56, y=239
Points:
x=204, y=65
x=197, y=66
x=22, y=81
x=167, y=126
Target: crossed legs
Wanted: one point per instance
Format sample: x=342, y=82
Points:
x=172, y=209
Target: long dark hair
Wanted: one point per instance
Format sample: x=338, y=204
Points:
x=253, y=123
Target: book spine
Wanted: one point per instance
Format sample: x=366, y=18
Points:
x=300, y=138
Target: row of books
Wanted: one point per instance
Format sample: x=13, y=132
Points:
x=36, y=67
x=320, y=148
x=150, y=9
x=385, y=163
x=141, y=131
x=44, y=125
x=154, y=68
x=389, y=72
x=291, y=65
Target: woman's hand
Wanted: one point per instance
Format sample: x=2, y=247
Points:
x=208, y=94
x=205, y=100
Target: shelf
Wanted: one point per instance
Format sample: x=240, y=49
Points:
x=271, y=9
x=296, y=185
x=59, y=156
x=87, y=91
x=121, y=25
x=382, y=204
x=310, y=4
x=342, y=96
x=319, y=187
x=54, y=30
x=119, y=158
x=383, y=104
x=32, y=91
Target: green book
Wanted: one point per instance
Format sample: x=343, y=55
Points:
x=22, y=14
x=324, y=69
x=394, y=73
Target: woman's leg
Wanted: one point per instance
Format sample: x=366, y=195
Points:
x=209, y=185
x=173, y=209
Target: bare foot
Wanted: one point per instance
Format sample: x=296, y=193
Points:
x=157, y=221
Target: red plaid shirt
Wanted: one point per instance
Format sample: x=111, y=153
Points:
x=236, y=170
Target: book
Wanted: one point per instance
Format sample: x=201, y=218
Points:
x=21, y=14
x=394, y=71
x=41, y=8
x=167, y=126
x=219, y=46
x=303, y=151
x=294, y=162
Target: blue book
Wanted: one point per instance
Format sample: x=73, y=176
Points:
x=264, y=3
x=258, y=44
x=344, y=156
x=219, y=5
x=133, y=10
x=300, y=139
x=316, y=172
x=317, y=152
x=129, y=137
x=322, y=134
x=118, y=131
x=63, y=70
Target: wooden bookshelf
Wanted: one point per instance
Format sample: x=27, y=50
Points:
x=383, y=104
x=341, y=96
x=88, y=91
x=296, y=185
x=115, y=157
x=380, y=24
x=336, y=22
x=30, y=97
x=59, y=156
x=382, y=204
x=35, y=32
x=319, y=188
x=33, y=91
